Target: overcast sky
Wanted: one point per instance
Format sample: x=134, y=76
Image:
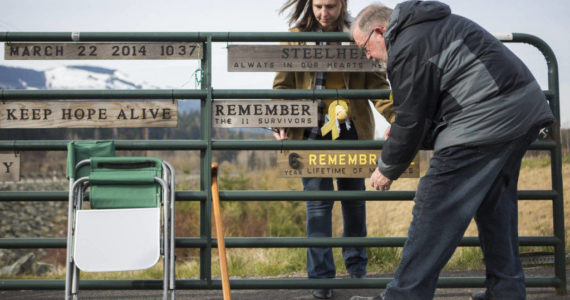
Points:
x=546, y=19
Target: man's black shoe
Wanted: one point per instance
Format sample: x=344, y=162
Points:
x=359, y=276
x=479, y=295
x=322, y=293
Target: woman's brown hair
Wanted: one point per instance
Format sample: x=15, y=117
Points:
x=304, y=19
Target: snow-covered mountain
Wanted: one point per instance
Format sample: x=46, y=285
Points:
x=76, y=77
x=88, y=77
x=68, y=77
x=19, y=78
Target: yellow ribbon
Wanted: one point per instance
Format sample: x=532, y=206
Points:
x=338, y=110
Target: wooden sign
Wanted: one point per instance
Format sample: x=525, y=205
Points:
x=264, y=113
x=51, y=51
x=335, y=163
x=9, y=166
x=88, y=114
x=274, y=58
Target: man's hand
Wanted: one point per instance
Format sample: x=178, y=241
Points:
x=387, y=132
x=379, y=181
x=279, y=134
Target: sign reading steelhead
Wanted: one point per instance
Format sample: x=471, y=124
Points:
x=264, y=113
x=335, y=163
x=277, y=58
x=48, y=51
x=9, y=166
x=88, y=114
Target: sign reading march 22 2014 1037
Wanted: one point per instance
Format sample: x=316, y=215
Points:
x=100, y=51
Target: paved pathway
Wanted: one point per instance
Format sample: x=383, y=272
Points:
x=441, y=294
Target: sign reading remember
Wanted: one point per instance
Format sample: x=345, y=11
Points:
x=49, y=51
x=277, y=58
x=88, y=114
x=264, y=113
x=335, y=163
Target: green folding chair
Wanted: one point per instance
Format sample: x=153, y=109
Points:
x=122, y=231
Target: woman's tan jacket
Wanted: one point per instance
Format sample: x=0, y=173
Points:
x=360, y=112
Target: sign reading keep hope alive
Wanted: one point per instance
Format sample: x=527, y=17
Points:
x=264, y=113
x=49, y=51
x=277, y=58
x=88, y=114
x=335, y=163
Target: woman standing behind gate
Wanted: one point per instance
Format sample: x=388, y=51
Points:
x=332, y=16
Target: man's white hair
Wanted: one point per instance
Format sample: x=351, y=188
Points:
x=372, y=16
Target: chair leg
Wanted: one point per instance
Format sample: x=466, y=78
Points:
x=72, y=272
x=172, y=237
x=165, y=281
x=75, y=279
x=170, y=258
x=168, y=188
x=169, y=200
x=166, y=242
x=75, y=283
x=68, y=278
x=69, y=258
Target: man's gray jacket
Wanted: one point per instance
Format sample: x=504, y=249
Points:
x=453, y=83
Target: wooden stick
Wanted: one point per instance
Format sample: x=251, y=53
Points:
x=220, y=233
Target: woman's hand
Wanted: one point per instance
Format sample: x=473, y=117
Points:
x=279, y=134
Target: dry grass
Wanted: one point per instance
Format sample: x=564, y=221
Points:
x=535, y=217
x=383, y=219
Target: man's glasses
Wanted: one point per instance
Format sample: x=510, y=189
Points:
x=368, y=39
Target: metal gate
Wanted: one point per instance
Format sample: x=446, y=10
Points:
x=206, y=145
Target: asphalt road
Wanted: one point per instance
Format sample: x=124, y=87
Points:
x=442, y=294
